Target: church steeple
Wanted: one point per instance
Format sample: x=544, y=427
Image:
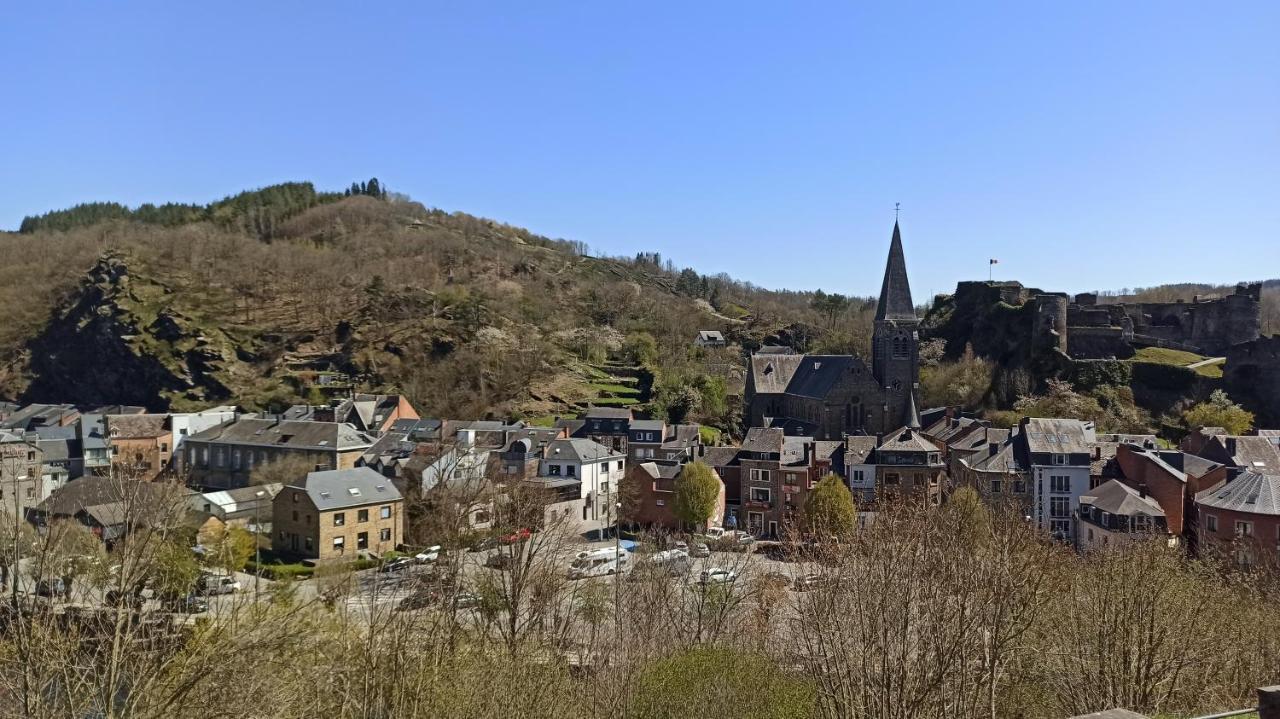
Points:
x=895, y=293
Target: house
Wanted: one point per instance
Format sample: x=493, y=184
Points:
x=224, y=456
x=374, y=413
x=1059, y=457
x=776, y=472
x=973, y=447
x=1245, y=452
x=520, y=459
x=337, y=514
x=830, y=396
x=95, y=450
x=860, y=468
x=245, y=507
x=584, y=475
x=1114, y=512
x=112, y=507
x=185, y=424
x=709, y=338
x=1171, y=478
x=909, y=465
x=654, y=439
x=138, y=444
x=650, y=489
x=991, y=464
x=1240, y=518
x=21, y=478
x=35, y=416
x=610, y=426
x=60, y=456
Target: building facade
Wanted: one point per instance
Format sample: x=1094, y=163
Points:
x=337, y=514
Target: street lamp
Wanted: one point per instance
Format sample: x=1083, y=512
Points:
x=257, y=544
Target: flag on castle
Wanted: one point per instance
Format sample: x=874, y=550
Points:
x=994, y=262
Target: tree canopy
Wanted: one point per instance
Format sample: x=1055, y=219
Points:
x=1219, y=411
x=697, y=493
x=829, y=509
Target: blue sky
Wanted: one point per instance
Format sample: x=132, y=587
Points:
x=1084, y=144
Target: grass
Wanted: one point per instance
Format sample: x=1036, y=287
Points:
x=614, y=401
x=1211, y=370
x=1163, y=355
x=614, y=389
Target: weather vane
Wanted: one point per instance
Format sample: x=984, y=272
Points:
x=897, y=207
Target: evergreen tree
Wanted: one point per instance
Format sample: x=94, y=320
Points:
x=829, y=510
x=697, y=494
x=373, y=188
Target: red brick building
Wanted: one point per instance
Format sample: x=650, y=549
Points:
x=1240, y=518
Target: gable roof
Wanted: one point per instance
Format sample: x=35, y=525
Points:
x=711, y=335
x=1118, y=498
x=338, y=488
x=857, y=448
x=287, y=433
x=136, y=426
x=767, y=440
x=1058, y=436
x=895, y=292
x=1252, y=492
x=579, y=450
x=800, y=375
x=907, y=439
x=719, y=456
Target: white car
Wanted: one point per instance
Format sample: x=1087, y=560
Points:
x=717, y=575
x=428, y=555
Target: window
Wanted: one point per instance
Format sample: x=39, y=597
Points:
x=31, y=492
x=384, y=534
x=219, y=457
x=385, y=512
x=339, y=543
x=282, y=534
x=1211, y=522
x=995, y=486
x=858, y=476
x=1059, y=507
x=553, y=470
x=307, y=544
x=1142, y=523
x=791, y=480
x=759, y=475
x=1019, y=486
x=604, y=488
x=1061, y=528
x=619, y=465
x=362, y=540
x=235, y=459
x=661, y=502
x=1244, y=529
x=362, y=515
x=204, y=456
x=339, y=519
x=295, y=497
x=761, y=494
x=570, y=470
x=891, y=479
x=1059, y=459
x=164, y=446
x=295, y=515
x=1059, y=485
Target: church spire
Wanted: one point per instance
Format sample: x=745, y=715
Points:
x=913, y=415
x=895, y=294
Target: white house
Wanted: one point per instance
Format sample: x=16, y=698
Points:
x=595, y=469
x=860, y=469
x=244, y=506
x=1059, y=452
x=185, y=424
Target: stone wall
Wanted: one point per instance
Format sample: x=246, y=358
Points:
x=1252, y=377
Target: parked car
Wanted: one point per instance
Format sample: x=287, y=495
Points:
x=699, y=550
x=466, y=600
x=499, y=560
x=717, y=575
x=211, y=584
x=519, y=535
x=428, y=555
x=52, y=588
x=810, y=581
x=189, y=604
x=397, y=565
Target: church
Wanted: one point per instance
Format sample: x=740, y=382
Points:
x=829, y=396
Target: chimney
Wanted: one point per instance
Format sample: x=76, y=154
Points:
x=1097, y=451
x=992, y=449
x=1231, y=446
x=1142, y=490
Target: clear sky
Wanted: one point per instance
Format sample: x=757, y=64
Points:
x=1084, y=144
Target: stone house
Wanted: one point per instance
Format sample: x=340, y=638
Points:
x=655, y=440
x=1114, y=512
x=776, y=472
x=1240, y=518
x=111, y=507
x=651, y=488
x=337, y=514
x=995, y=471
x=224, y=456
x=374, y=413
x=21, y=478
x=138, y=444
x=909, y=466
x=1170, y=478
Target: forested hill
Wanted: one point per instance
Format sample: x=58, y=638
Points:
x=273, y=296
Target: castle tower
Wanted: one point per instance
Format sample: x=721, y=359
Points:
x=895, y=344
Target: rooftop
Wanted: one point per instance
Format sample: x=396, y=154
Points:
x=1118, y=498
x=1251, y=492
x=338, y=488
x=287, y=433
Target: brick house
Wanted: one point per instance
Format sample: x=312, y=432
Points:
x=776, y=472
x=138, y=444
x=650, y=488
x=1171, y=478
x=224, y=456
x=335, y=514
x=909, y=464
x=1240, y=518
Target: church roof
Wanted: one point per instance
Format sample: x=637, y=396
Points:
x=802, y=375
x=895, y=294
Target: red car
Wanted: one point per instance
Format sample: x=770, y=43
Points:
x=517, y=536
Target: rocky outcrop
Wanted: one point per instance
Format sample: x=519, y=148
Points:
x=1252, y=377
x=122, y=339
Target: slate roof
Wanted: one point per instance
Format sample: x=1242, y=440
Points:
x=1255, y=453
x=648, y=425
x=287, y=433
x=1004, y=461
x=800, y=375
x=895, y=292
x=907, y=439
x=711, y=336
x=1058, y=436
x=661, y=470
x=580, y=450
x=946, y=429
x=339, y=488
x=34, y=415
x=980, y=439
x=683, y=435
x=719, y=456
x=607, y=413
x=793, y=453
x=1119, y=498
x=1197, y=466
x=136, y=426
x=858, y=448
x=1252, y=492
x=763, y=439
x=107, y=498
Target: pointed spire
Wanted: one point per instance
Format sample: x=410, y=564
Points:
x=895, y=294
x=913, y=416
